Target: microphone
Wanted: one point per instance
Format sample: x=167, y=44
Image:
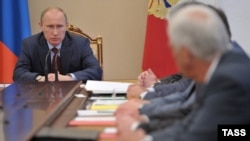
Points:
x=46, y=72
x=56, y=68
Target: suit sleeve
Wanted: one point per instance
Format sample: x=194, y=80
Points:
x=169, y=79
x=23, y=69
x=91, y=68
x=172, y=106
x=178, y=109
x=166, y=103
x=169, y=88
x=156, y=124
x=222, y=105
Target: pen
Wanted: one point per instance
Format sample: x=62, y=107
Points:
x=113, y=94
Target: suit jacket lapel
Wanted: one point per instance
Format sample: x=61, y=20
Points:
x=65, y=54
x=42, y=52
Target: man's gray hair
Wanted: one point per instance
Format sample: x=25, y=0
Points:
x=175, y=8
x=199, y=29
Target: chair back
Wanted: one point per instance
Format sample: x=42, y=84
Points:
x=95, y=43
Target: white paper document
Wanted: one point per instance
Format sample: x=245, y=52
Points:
x=107, y=98
x=95, y=118
x=108, y=102
x=106, y=87
x=110, y=130
x=80, y=95
x=86, y=113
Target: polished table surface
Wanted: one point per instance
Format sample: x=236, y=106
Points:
x=26, y=107
x=29, y=111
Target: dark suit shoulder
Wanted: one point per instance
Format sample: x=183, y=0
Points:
x=236, y=66
x=36, y=36
x=36, y=39
x=74, y=37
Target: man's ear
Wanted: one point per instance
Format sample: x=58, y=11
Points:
x=40, y=24
x=189, y=57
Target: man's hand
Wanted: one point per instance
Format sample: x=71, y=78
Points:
x=42, y=79
x=131, y=108
x=149, y=79
x=51, y=77
x=140, y=78
x=135, y=90
x=125, y=133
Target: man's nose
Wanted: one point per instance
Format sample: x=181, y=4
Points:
x=55, y=30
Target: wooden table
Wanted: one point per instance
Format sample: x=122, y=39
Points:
x=29, y=111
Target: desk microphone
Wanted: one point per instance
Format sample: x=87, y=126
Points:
x=56, y=68
x=46, y=66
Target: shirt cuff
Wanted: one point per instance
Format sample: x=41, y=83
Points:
x=151, y=89
x=146, y=118
x=140, y=106
x=142, y=95
x=134, y=126
x=73, y=76
x=147, y=138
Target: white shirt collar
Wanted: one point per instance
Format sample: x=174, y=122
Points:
x=212, y=68
x=58, y=46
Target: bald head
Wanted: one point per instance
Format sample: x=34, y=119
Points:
x=199, y=29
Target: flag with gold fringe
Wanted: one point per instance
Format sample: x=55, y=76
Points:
x=157, y=53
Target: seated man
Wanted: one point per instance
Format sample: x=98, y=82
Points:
x=148, y=79
x=64, y=56
x=202, y=49
x=169, y=94
x=155, y=107
x=149, y=86
x=165, y=109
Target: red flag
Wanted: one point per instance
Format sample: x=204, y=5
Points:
x=157, y=54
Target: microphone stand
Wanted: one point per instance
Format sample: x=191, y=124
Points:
x=56, y=68
x=46, y=66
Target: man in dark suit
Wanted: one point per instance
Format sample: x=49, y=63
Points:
x=168, y=95
x=158, y=110
x=162, y=94
x=203, y=52
x=159, y=89
x=148, y=79
x=75, y=60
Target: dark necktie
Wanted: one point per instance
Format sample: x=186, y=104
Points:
x=56, y=61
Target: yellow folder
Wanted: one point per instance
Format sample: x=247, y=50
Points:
x=104, y=107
